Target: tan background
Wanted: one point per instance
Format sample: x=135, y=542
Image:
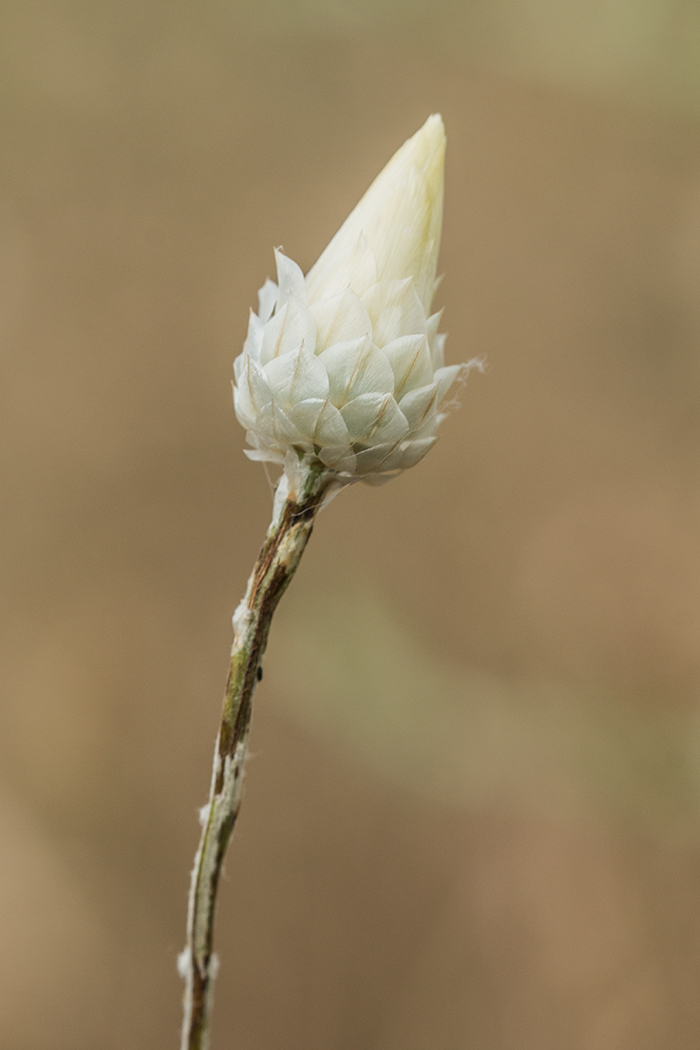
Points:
x=473, y=812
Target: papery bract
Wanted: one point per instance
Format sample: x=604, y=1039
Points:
x=345, y=367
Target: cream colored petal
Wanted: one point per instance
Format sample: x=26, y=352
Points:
x=427, y=282
x=432, y=325
x=319, y=421
x=263, y=455
x=409, y=358
x=339, y=457
x=414, y=451
x=354, y=368
x=245, y=410
x=267, y=300
x=445, y=377
x=296, y=377
x=290, y=328
x=417, y=405
x=356, y=269
x=391, y=425
x=375, y=480
x=304, y=416
x=254, y=338
x=251, y=392
x=362, y=415
x=340, y=318
x=372, y=458
x=330, y=427
x=438, y=351
x=428, y=427
x=290, y=279
x=394, y=310
x=274, y=427
x=405, y=248
x=393, y=460
x=238, y=366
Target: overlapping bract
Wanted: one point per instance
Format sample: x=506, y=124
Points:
x=346, y=366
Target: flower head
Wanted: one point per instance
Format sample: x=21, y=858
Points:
x=346, y=367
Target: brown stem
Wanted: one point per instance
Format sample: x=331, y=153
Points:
x=274, y=568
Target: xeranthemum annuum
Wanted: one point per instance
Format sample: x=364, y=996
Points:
x=341, y=378
x=346, y=367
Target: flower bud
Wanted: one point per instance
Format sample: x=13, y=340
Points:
x=346, y=367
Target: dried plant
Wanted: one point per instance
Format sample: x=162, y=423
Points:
x=341, y=379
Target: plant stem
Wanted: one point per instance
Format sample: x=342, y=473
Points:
x=292, y=522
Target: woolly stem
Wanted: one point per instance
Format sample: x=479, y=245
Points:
x=293, y=519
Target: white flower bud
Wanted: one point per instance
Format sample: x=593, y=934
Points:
x=346, y=367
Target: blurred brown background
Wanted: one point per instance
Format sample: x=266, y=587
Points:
x=472, y=818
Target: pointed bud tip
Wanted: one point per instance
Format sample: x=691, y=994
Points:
x=433, y=127
x=397, y=223
x=429, y=142
x=423, y=153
